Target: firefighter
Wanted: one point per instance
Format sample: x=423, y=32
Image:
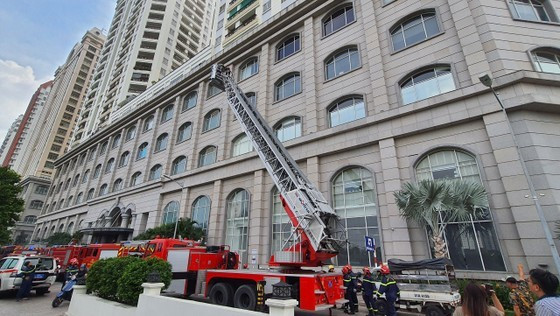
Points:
x=390, y=288
x=71, y=270
x=369, y=291
x=27, y=274
x=351, y=284
x=331, y=268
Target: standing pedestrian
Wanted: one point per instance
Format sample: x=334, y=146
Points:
x=545, y=284
x=351, y=284
x=27, y=274
x=390, y=288
x=369, y=290
x=520, y=295
x=474, y=302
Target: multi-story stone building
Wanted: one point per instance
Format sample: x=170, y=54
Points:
x=10, y=136
x=34, y=193
x=147, y=40
x=12, y=159
x=366, y=95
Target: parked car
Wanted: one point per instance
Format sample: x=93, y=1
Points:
x=45, y=273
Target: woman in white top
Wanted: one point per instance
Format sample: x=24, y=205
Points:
x=475, y=303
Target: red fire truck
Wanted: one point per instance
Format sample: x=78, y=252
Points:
x=93, y=252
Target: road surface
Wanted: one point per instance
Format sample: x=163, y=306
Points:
x=36, y=305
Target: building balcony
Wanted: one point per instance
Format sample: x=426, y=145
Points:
x=236, y=13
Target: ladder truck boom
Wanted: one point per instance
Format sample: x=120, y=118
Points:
x=314, y=239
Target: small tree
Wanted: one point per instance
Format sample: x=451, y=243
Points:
x=10, y=204
x=437, y=203
x=59, y=239
x=186, y=228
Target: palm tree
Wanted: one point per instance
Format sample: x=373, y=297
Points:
x=437, y=203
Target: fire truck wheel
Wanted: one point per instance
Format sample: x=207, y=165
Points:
x=245, y=297
x=221, y=294
x=381, y=306
x=434, y=311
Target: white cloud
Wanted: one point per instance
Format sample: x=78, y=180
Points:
x=17, y=85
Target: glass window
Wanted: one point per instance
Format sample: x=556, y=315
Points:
x=131, y=132
x=70, y=228
x=288, y=47
x=170, y=212
x=472, y=245
x=148, y=123
x=117, y=185
x=103, y=147
x=213, y=90
x=190, y=101
x=155, y=172
x=161, y=142
x=91, y=153
x=249, y=68
x=342, y=62
x=109, y=166
x=201, y=212
x=136, y=179
x=79, y=198
x=339, y=19
x=414, y=30
x=241, y=145
x=76, y=180
x=288, y=128
x=251, y=98
x=41, y=189
x=103, y=189
x=185, y=132
x=116, y=141
x=426, y=84
x=237, y=223
x=287, y=86
x=355, y=201
x=69, y=201
x=211, y=120
x=547, y=61
x=68, y=181
x=281, y=224
x=30, y=219
x=123, y=161
x=179, y=165
x=86, y=176
x=142, y=151
x=207, y=156
x=347, y=110
x=97, y=171
x=532, y=10
x=36, y=204
x=167, y=113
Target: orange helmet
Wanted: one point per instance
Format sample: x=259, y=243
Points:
x=384, y=269
x=347, y=268
x=366, y=270
x=74, y=261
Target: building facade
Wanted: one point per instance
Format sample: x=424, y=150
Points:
x=147, y=40
x=34, y=194
x=10, y=136
x=365, y=95
x=28, y=123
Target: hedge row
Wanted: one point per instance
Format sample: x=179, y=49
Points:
x=120, y=279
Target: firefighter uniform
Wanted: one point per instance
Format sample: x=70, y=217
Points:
x=369, y=290
x=391, y=290
x=351, y=284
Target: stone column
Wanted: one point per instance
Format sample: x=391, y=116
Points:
x=259, y=215
x=124, y=221
x=153, y=289
x=281, y=307
x=309, y=79
x=217, y=215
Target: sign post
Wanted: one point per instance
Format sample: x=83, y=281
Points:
x=370, y=247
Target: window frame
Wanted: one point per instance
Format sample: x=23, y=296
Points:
x=549, y=10
x=333, y=56
x=235, y=141
x=424, y=69
x=165, y=116
x=175, y=164
x=211, y=87
x=180, y=131
x=151, y=175
x=282, y=44
x=544, y=50
x=148, y=123
x=186, y=98
x=282, y=80
x=116, y=141
x=109, y=167
x=162, y=140
x=329, y=16
x=135, y=176
x=410, y=17
x=246, y=64
x=139, y=150
x=129, y=131
x=336, y=103
x=207, y=119
x=205, y=149
x=280, y=123
x=127, y=159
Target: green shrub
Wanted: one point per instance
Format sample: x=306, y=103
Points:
x=106, y=276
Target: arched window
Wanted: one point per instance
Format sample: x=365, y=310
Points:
x=148, y=123
x=97, y=171
x=338, y=19
x=201, y=212
x=36, y=205
x=237, y=222
x=427, y=83
x=249, y=68
x=136, y=178
x=166, y=113
x=170, y=212
x=342, y=62
x=61, y=228
x=179, y=165
x=161, y=142
x=288, y=47
x=90, y=194
x=91, y=153
x=60, y=204
x=69, y=201
x=142, y=151
x=251, y=98
x=60, y=185
x=213, y=90
x=185, y=132
x=281, y=224
x=190, y=101
x=30, y=219
x=472, y=245
x=117, y=185
x=103, y=147
x=211, y=120
x=130, y=133
x=109, y=166
x=68, y=181
x=533, y=10
x=347, y=110
x=546, y=60
x=414, y=30
x=155, y=172
x=288, y=128
x=355, y=201
x=53, y=207
x=116, y=141
x=241, y=145
x=207, y=156
x=76, y=180
x=103, y=189
x=79, y=198
x=70, y=228
x=286, y=87
x=123, y=160
x=86, y=176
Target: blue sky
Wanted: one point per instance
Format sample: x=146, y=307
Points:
x=35, y=38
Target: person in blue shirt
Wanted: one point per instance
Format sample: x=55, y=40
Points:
x=545, y=285
x=369, y=290
x=351, y=283
x=390, y=288
x=27, y=274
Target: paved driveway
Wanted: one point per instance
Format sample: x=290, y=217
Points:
x=36, y=305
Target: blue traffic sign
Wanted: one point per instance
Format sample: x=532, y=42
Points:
x=370, y=243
